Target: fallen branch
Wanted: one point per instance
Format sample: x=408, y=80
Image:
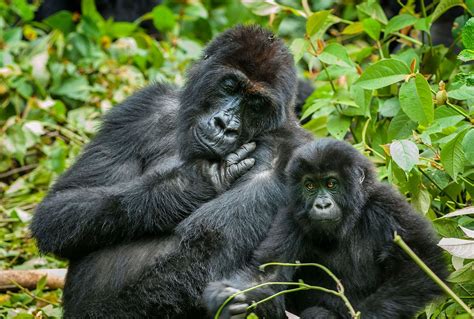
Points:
x=10, y=279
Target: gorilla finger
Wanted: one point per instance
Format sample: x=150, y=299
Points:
x=239, y=169
x=241, y=153
x=237, y=309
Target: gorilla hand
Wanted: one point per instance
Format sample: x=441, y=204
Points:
x=217, y=293
x=234, y=165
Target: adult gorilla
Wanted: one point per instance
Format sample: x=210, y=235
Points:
x=152, y=211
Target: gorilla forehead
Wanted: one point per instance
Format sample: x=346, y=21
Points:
x=253, y=50
x=327, y=155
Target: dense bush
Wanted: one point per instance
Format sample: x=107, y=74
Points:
x=405, y=103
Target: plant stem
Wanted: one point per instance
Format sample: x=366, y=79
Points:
x=399, y=241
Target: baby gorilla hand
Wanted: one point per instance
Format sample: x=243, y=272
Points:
x=216, y=293
x=232, y=167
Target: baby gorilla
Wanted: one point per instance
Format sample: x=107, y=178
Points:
x=340, y=216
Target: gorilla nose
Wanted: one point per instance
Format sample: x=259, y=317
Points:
x=229, y=127
x=323, y=204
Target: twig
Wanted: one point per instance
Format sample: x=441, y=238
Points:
x=399, y=241
x=18, y=170
x=32, y=295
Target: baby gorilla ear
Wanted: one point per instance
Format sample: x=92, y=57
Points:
x=360, y=174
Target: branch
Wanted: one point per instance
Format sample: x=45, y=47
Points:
x=11, y=279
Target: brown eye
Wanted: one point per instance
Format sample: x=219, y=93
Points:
x=331, y=183
x=310, y=186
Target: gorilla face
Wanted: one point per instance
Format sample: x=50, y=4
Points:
x=329, y=181
x=243, y=87
x=235, y=113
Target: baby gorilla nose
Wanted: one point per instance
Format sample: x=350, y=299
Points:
x=323, y=203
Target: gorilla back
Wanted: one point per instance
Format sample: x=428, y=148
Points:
x=166, y=198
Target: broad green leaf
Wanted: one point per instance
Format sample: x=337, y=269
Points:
x=372, y=28
x=464, y=92
x=466, y=55
x=383, y=73
x=196, y=10
x=354, y=28
x=423, y=24
x=88, y=9
x=316, y=21
x=61, y=20
x=76, y=88
x=468, y=146
x=121, y=29
x=262, y=8
x=317, y=126
x=338, y=125
x=465, y=274
x=421, y=201
x=443, y=6
x=458, y=247
x=416, y=100
x=452, y=156
x=23, y=9
x=373, y=10
x=405, y=154
x=335, y=53
x=389, y=107
x=315, y=106
x=298, y=48
x=399, y=22
x=163, y=18
x=400, y=127
x=468, y=34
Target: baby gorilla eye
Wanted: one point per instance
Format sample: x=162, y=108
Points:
x=310, y=186
x=331, y=183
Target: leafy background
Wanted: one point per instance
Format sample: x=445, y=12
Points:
x=380, y=83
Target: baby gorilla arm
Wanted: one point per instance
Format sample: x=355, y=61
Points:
x=73, y=221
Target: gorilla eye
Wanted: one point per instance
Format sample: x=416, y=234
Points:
x=229, y=85
x=331, y=183
x=310, y=186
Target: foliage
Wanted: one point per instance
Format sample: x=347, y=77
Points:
x=380, y=83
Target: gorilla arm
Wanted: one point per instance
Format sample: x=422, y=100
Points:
x=105, y=197
x=282, y=244
x=406, y=286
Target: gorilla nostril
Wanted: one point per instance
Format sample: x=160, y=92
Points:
x=326, y=204
x=219, y=123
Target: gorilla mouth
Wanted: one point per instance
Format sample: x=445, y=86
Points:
x=198, y=136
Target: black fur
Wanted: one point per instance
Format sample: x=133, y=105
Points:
x=140, y=214
x=380, y=280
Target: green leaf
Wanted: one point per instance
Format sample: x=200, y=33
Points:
x=196, y=10
x=443, y=6
x=382, y=74
x=163, y=18
x=468, y=34
x=405, y=154
x=316, y=21
x=317, y=126
x=88, y=9
x=389, y=107
x=298, y=48
x=354, y=28
x=452, y=156
x=423, y=24
x=400, y=127
x=399, y=22
x=23, y=9
x=468, y=146
x=372, y=28
x=335, y=53
x=338, y=125
x=465, y=274
x=466, y=55
x=416, y=100
x=62, y=21
x=76, y=88
x=121, y=29
x=373, y=10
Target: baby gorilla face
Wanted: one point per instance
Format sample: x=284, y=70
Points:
x=320, y=194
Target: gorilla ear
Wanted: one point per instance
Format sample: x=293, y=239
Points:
x=360, y=174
